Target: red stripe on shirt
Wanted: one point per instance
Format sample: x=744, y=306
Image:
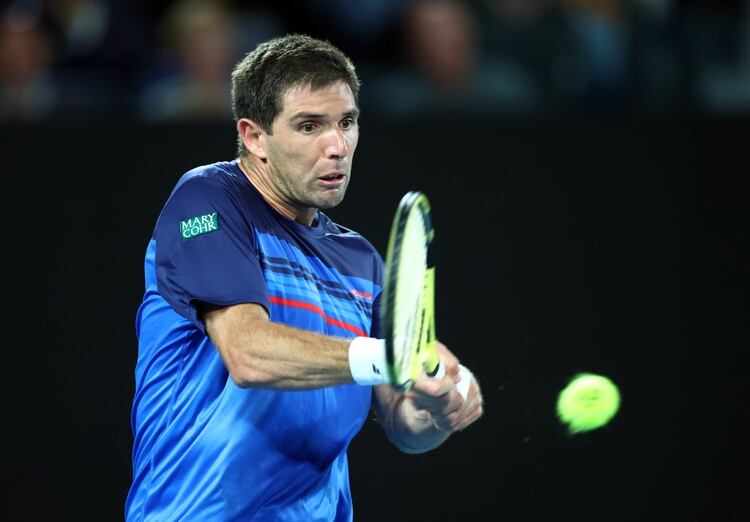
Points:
x=312, y=308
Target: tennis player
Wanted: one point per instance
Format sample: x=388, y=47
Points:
x=258, y=358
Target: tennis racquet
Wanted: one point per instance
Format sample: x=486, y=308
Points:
x=407, y=311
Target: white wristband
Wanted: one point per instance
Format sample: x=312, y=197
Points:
x=462, y=386
x=367, y=361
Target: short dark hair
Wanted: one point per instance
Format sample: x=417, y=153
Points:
x=263, y=76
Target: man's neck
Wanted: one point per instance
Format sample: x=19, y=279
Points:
x=259, y=176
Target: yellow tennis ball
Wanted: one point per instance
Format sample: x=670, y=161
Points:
x=588, y=402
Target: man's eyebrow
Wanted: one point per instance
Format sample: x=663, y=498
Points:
x=306, y=116
x=354, y=113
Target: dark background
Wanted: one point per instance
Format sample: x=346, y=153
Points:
x=587, y=164
x=613, y=245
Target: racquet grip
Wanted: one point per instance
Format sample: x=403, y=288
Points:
x=439, y=372
x=462, y=386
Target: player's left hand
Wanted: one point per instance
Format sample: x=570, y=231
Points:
x=441, y=399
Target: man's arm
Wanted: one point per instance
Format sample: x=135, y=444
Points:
x=424, y=417
x=259, y=353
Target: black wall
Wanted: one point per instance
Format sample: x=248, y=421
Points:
x=614, y=245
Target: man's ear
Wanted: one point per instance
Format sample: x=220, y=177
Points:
x=250, y=133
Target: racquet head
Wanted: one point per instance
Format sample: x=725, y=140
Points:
x=407, y=307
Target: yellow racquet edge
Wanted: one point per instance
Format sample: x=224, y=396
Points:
x=408, y=302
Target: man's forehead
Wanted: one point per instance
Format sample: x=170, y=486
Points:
x=336, y=97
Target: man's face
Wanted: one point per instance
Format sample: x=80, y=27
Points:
x=312, y=146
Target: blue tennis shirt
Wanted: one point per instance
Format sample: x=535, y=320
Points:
x=205, y=449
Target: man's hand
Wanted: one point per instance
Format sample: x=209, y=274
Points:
x=423, y=418
x=441, y=399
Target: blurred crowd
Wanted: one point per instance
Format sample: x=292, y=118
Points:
x=164, y=60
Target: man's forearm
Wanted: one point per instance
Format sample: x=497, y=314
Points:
x=264, y=354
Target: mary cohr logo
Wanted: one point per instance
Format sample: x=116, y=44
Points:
x=199, y=225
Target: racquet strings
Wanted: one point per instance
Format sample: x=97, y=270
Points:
x=411, y=265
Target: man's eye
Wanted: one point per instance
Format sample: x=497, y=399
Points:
x=348, y=123
x=307, y=127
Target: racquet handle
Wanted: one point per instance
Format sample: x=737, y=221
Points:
x=439, y=372
x=462, y=387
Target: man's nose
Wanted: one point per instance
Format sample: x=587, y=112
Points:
x=336, y=146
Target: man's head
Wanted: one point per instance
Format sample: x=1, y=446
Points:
x=263, y=77
x=296, y=110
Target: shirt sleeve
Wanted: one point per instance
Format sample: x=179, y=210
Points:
x=376, y=328
x=206, y=250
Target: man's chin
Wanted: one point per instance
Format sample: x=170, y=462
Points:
x=330, y=201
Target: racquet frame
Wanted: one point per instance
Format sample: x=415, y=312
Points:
x=424, y=357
